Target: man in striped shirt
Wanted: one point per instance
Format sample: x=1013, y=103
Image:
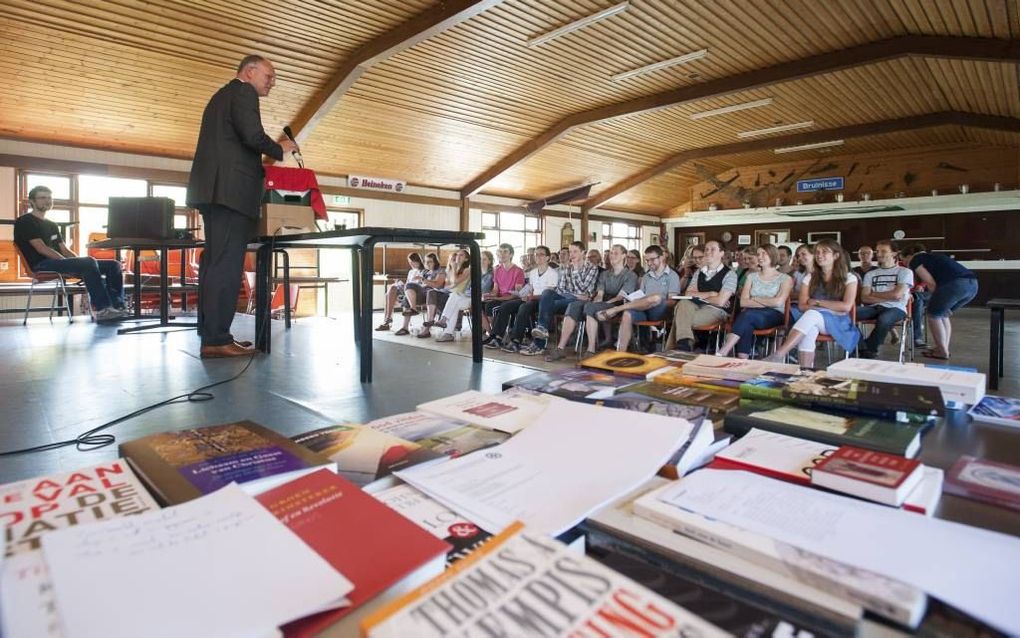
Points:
x=577, y=283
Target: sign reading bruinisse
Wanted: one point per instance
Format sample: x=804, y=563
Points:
x=820, y=184
x=376, y=183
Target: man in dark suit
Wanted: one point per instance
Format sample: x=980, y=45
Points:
x=226, y=186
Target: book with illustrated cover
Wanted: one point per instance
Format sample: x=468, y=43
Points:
x=509, y=411
x=624, y=363
x=716, y=402
x=998, y=410
x=714, y=367
x=575, y=384
x=780, y=456
x=182, y=465
x=676, y=376
x=890, y=401
x=458, y=532
x=834, y=429
x=442, y=435
x=534, y=586
x=875, y=476
x=364, y=456
x=986, y=481
x=383, y=554
x=637, y=402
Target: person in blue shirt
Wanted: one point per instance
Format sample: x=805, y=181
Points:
x=953, y=286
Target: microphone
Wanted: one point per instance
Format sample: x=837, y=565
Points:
x=295, y=153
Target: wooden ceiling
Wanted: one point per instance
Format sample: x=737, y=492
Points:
x=469, y=106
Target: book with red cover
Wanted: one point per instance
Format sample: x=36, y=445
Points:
x=377, y=549
x=876, y=476
x=987, y=481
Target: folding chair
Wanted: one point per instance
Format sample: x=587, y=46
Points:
x=906, y=325
x=58, y=285
x=828, y=340
x=771, y=334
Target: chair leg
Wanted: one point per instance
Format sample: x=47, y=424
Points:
x=67, y=300
x=28, y=304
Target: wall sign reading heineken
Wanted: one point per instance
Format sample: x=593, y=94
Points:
x=376, y=183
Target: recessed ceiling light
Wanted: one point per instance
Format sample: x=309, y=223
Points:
x=578, y=24
x=682, y=59
x=731, y=109
x=808, y=147
x=776, y=129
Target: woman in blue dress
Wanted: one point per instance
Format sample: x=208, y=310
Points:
x=827, y=297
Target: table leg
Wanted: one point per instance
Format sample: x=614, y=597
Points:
x=1002, y=341
x=263, y=277
x=994, y=346
x=476, y=302
x=164, y=302
x=356, y=291
x=138, y=285
x=184, y=280
x=286, y=289
x=365, y=316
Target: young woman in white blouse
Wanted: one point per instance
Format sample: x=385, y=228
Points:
x=762, y=302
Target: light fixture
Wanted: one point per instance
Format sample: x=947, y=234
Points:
x=687, y=57
x=578, y=24
x=807, y=147
x=731, y=109
x=776, y=129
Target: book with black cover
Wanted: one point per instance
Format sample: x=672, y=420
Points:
x=890, y=401
x=836, y=429
x=571, y=383
x=182, y=465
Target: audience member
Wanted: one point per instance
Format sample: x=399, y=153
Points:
x=786, y=264
x=748, y=263
x=614, y=284
x=692, y=259
x=595, y=258
x=884, y=294
x=577, y=283
x=865, y=255
x=432, y=277
x=763, y=300
x=459, y=297
x=804, y=257
x=712, y=297
x=952, y=287
x=508, y=279
x=395, y=294
x=634, y=262
x=43, y=248
x=522, y=311
x=827, y=296
x=658, y=284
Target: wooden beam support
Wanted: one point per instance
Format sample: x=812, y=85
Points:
x=945, y=118
x=584, y=227
x=446, y=14
x=465, y=214
x=965, y=48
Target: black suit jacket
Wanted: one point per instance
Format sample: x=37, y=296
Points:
x=227, y=168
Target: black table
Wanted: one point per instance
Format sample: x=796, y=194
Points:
x=163, y=246
x=997, y=342
x=361, y=242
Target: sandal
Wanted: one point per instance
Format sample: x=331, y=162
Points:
x=402, y=332
x=384, y=325
x=931, y=354
x=410, y=312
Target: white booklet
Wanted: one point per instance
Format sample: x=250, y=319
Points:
x=968, y=567
x=572, y=460
x=506, y=412
x=219, y=566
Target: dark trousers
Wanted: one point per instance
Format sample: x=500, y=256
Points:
x=525, y=313
x=227, y=233
x=752, y=319
x=503, y=316
x=103, y=278
x=885, y=319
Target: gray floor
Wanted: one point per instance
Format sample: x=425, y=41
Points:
x=59, y=380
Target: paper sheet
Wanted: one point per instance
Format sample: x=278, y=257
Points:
x=26, y=598
x=218, y=566
x=971, y=568
x=572, y=460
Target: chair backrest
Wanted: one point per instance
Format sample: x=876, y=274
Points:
x=100, y=253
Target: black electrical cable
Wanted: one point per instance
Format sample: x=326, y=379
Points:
x=93, y=440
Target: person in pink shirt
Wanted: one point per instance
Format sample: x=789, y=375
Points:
x=507, y=280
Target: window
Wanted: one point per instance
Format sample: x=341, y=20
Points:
x=183, y=217
x=520, y=230
x=621, y=233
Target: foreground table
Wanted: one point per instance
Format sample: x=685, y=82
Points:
x=997, y=340
x=361, y=242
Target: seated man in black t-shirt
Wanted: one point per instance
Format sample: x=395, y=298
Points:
x=42, y=246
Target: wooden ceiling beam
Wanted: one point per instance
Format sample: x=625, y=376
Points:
x=423, y=26
x=945, y=118
x=966, y=48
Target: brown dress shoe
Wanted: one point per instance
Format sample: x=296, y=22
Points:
x=243, y=344
x=227, y=350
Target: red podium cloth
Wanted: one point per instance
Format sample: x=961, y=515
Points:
x=287, y=178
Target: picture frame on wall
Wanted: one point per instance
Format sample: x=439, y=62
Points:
x=693, y=239
x=655, y=239
x=743, y=240
x=814, y=238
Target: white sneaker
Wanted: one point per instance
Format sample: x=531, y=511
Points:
x=109, y=314
x=443, y=338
